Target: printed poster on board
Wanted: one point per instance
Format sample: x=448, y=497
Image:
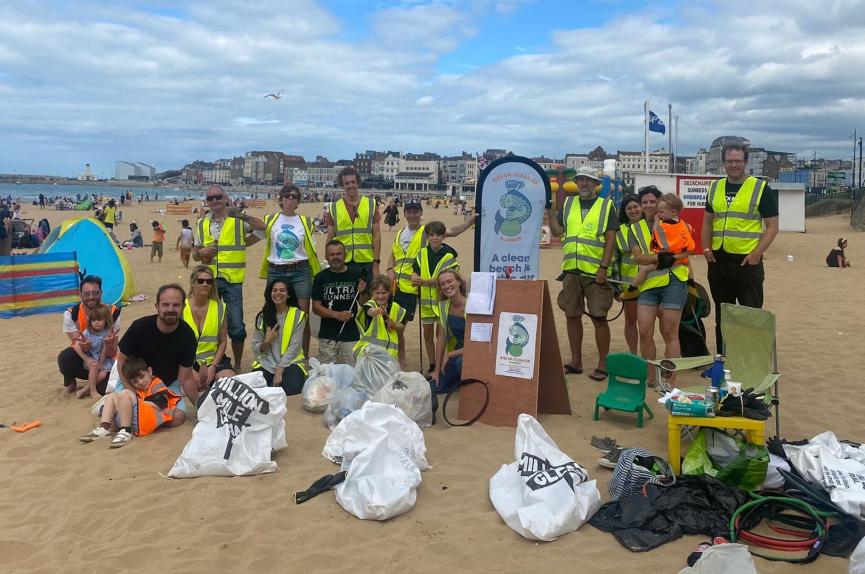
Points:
x=512, y=193
x=516, y=343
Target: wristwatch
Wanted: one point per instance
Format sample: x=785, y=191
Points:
x=376, y=260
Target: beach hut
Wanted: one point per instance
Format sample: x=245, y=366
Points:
x=97, y=255
x=39, y=283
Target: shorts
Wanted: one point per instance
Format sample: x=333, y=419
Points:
x=342, y=354
x=429, y=320
x=580, y=294
x=407, y=301
x=300, y=279
x=223, y=365
x=671, y=296
x=156, y=248
x=181, y=405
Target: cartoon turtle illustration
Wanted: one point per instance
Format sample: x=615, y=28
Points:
x=517, y=209
x=518, y=337
x=286, y=243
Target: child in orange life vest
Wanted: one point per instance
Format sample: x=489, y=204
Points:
x=380, y=308
x=669, y=234
x=138, y=410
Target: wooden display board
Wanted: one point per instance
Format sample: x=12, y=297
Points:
x=545, y=392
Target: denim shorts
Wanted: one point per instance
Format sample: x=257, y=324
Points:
x=671, y=296
x=232, y=296
x=300, y=279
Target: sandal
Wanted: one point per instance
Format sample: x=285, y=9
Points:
x=598, y=375
x=572, y=370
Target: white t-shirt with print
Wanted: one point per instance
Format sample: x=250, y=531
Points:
x=287, y=241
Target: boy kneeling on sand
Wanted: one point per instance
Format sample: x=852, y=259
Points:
x=138, y=411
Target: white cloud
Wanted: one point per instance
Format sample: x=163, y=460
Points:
x=247, y=121
x=424, y=101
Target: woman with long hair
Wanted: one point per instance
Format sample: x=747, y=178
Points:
x=450, y=331
x=277, y=339
x=630, y=213
x=205, y=313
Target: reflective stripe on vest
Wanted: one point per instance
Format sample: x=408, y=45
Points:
x=444, y=308
x=628, y=267
x=357, y=237
x=230, y=260
x=314, y=263
x=403, y=260
x=208, y=338
x=429, y=295
x=376, y=331
x=583, y=245
x=736, y=228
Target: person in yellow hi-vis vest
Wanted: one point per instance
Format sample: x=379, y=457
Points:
x=355, y=221
x=589, y=224
x=432, y=260
x=739, y=225
x=380, y=319
x=277, y=340
x=221, y=239
x=205, y=313
x=406, y=246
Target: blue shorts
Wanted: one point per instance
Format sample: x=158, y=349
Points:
x=300, y=279
x=671, y=296
x=232, y=295
x=407, y=301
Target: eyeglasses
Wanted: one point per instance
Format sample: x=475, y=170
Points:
x=202, y=281
x=216, y=197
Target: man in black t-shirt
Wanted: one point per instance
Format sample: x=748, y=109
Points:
x=334, y=299
x=734, y=254
x=167, y=344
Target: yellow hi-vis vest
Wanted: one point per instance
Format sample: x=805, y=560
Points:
x=314, y=263
x=110, y=215
x=444, y=308
x=355, y=234
x=584, y=241
x=736, y=228
x=628, y=267
x=208, y=338
x=402, y=260
x=294, y=321
x=661, y=277
x=374, y=331
x=429, y=295
x=230, y=260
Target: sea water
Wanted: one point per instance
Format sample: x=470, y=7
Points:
x=29, y=192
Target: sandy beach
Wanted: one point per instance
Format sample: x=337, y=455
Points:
x=85, y=508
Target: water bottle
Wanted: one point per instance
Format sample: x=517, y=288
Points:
x=716, y=371
x=727, y=378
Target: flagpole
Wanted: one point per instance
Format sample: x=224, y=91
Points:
x=670, y=136
x=676, y=142
x=646, y=136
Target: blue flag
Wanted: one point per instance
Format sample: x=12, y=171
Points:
x=655, y=123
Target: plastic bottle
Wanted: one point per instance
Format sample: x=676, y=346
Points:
x=727, y=378
x=717, y=371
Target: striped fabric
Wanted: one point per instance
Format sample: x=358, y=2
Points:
x=629, y=477
x=40, y=283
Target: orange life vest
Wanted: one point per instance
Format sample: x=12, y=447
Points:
x=150, y=415
x=673, y=238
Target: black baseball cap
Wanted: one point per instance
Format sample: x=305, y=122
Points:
x=412, y=204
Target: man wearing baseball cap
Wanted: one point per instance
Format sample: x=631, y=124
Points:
x=406, y=246
x=589, y=224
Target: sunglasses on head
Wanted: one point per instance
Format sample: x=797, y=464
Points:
x=216, y=197
x=203, y=281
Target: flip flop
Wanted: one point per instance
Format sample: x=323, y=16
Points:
x=598, y=375
x=572, y=370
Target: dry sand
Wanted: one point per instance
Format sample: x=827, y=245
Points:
x=84, y=508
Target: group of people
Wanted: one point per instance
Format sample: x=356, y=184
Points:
x=651, y=245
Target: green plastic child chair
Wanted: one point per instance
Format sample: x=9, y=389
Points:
x=626, y=386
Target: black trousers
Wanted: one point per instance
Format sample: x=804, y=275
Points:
x=730, y=282
x=292, y=379
x=72, y=367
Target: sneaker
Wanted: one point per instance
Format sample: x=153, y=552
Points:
x=604, y=444
x=122, y=438
x=611, y=459
x=98, y=432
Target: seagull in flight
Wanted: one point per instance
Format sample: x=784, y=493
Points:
x=276, y=96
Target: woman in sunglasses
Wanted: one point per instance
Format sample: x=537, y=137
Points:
x=205, y=313
x=289, y=250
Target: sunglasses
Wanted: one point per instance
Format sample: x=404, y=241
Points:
x=202, y=281
x=214, y=197
x=291, y=196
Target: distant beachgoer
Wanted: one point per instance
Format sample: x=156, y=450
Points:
x=110, y=214
x=5, y=231
x=144, y=405
x=41, y=201
x=16, y=211
x=184, y=242
x=837, y=257
x=156, y=247
x=391, y=215
x=100, y=357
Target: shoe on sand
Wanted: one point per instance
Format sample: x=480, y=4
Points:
x=122, y=438
x=610, y=459
x=96, y=433
x=604, y=444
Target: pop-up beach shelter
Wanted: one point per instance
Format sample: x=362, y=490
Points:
x=40, y=283
x=97, y=255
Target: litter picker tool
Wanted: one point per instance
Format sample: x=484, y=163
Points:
x=351, y=308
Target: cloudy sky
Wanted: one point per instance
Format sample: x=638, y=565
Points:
x=167, y=82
